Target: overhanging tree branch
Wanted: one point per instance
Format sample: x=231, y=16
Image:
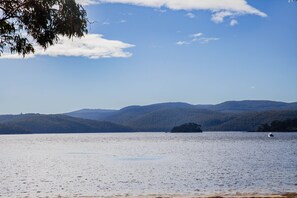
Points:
x=43, y=20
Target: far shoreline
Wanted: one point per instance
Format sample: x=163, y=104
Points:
x=137, y=132
x=214, y=195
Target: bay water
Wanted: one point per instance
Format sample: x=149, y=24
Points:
x=147, y=163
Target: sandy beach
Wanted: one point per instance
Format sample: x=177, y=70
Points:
x=237, y=195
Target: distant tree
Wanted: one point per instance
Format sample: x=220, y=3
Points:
x=188, y=127
x=25, y=22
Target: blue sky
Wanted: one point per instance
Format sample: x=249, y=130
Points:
x=142, y=53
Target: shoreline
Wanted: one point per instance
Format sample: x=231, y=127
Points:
x=236, y=195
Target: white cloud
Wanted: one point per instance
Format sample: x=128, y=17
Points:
x=87, y=2
x=218, y=17
x=92, y=46
x=219, y=8
x=182, y=43
x=204, y=40
x=233, y=22
x=198, y=38
x=7, y=55
x=190, y=15
x=196, y=35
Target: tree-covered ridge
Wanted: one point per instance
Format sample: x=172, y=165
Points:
x=289, y=125
x=4, y=129
x=37, y=123
x=156, y=118
x=164, y=118
x=227, y=116
x=187, y=128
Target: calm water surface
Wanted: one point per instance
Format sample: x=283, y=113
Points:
x=147, y=163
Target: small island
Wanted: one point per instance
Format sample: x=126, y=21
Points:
x=187, y=128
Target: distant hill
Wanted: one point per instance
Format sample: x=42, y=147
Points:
x=165, y=119
x=227, y=116
x=37, y=123
x=232, y=115
x=252, y=106
x=92, y=114
x=252, y=120
x=101, y=114
x=229, y=107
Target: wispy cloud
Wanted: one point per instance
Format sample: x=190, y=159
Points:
x=204, y=40
x=182, y=43
x=233, y=22
x=160, y=10
x=198, y=38
x=92, y=46
x=190, y=15
x=219, y=8
x=196, y=35
x=106, y=23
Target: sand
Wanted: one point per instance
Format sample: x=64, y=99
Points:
x=237, y=195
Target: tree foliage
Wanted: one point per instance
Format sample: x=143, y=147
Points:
x=26, y=22
x=288, y=125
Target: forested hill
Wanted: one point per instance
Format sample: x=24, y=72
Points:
x=225, y=107
x=233, y=115
x=252, y=106
x=93, y=114
x=37, y=123
x=228, y=116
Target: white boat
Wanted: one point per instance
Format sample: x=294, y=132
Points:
x=270, y=135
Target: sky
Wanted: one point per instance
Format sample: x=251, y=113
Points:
x=141, y=52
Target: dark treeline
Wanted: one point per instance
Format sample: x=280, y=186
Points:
x=289, y=125
x=6, y=129
x=187, y=128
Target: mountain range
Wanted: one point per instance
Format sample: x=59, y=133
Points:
x=38, y=123
x=228, y=116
